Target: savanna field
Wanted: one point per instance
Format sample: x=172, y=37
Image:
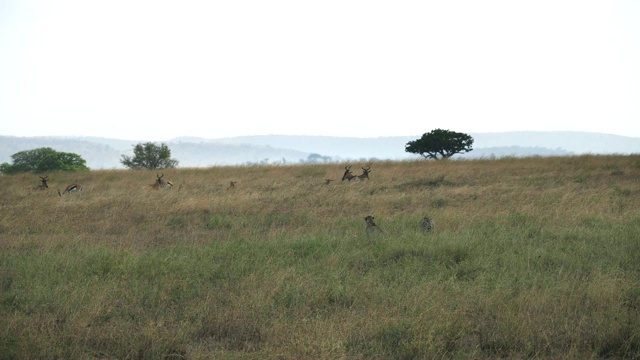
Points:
x=530, y=258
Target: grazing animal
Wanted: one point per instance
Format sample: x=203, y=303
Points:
x=427, y=224
x=365, y=174
x=232, y=184
x=328, y=181
x=371, y=226
x=347, y=173
x=161, y=183
x=71, y=188
x=44, y=185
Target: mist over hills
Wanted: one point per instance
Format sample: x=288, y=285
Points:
x=105, y=153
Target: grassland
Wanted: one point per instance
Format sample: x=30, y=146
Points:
x=530, y=258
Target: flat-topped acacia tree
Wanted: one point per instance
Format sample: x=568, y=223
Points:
x=440, y=144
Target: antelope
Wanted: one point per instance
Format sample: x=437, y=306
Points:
x=347, y=173
x=371, y=226
x=328, y=181
x=44, y=183
x=71, y=188
x=427, y=224
x=365, y=173
x=161, y=183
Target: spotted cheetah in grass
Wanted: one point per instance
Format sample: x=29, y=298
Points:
x=427, y=224
x=371, y=226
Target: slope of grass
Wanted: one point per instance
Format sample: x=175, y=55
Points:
x=531, y=258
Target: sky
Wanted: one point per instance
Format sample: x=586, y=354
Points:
x=157, y=70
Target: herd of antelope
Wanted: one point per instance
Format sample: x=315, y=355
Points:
x=69, y=189
x=426, y=223
x=349, y=176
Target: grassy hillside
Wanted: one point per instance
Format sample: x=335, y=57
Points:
x=530, y=258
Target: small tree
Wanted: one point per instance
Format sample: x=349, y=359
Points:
x=43, y=160
x=150, y=156
x=317, y=158
x=440, y=144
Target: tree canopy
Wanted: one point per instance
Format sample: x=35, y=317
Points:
x=440, y=144
x=43, y=160
x=150, y=156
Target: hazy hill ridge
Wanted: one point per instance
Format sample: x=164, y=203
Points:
x=105, y=153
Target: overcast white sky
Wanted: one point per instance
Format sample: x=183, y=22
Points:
x=156, y=70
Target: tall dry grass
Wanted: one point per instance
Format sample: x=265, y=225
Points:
x=531, y=258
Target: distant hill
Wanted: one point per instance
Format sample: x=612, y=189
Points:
x=572, y=142
x=526, y=143
x=103, y=153
x=99, y=155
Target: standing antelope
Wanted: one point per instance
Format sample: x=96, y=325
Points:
x=44, y=185
x=427, y=224
x=365, y=173
x=161, y=183
x=71, y=188
x=371, y=226
x=347, y=173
